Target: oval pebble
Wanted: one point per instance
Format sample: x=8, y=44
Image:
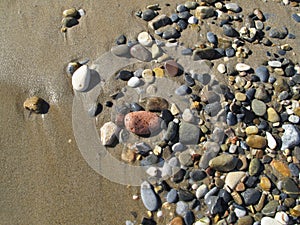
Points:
x=149, y=198
x=144, y=38
x=242, y=67
x=134, y=82
x=139, y=52
x=263, y=73
x=172, y=196
x=275, y=64
x=81, y=78
x=183, y=90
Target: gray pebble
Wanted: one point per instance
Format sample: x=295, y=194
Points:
x=263, y=73
x=183, y=90
x=290, y=137
x=140, y=53
x=229, y=31
x=172, y=196
x=149, y=197
x=182, y=208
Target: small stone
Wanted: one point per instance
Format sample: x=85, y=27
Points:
x=182, y=208
x=149, y=198
x=172, y=196
x=296, y=17
x=68, y=22
x=294, y=119
x=263, y=73
x=215, y=205
x=158, y=72
x=290, y=187
x=176, y=221
x=272, y=144
x=268, y=221
x=189, y=218
x=81, y=78
x=121, y=40
x=155, y=104
x=172, y=68
x=159, y=21
x=259, y=25
x=185, y=159
x=147, y=74
x=265, y=183
x=36, y=105
x=280, y=85
x=142, y=123
x=240, y=96
x=140, y=53
x=254, y=167
x=246, y=220
x=233, y=178
x=201, y=191
x=148, y=14
x=251, y=196
x=278, y=33
x=70, y=13
x=95, y=109
x=270, y=208
x=212, y=150
x=256, y=141
x=275, y=64
x=170, y=32
x=273, y=116
x=206, y=53
x=192, y=20
x=128, y=155
x=203, y=12
x=108, y=134
x=212, y=38
x=183, y=90
x=174, y=109
x=221, y=68
x=282, y=218
x=229, y=31
x=188, y=133
x=121, y=50
x=290, y=137
x=188, y=116
x=251, y=130
x=223, y=163
x=258, y=107
x=242, y=67
x=233, y=7
x=191, y=4
x=156, y=51
x=134, y=82
x=280, y=168
x=185, y=195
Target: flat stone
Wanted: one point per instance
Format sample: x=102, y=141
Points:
x=185, y=195
x=142, y=123
x=223, y=163
x=290, y=137
x=206, y=53
x=229, y=31
x=172, y=196
x=203, y=12
x=251, y=196
x=149, y=160
x=240, y=96
x=242, y=67
x=172, y=68
x=258, y=107
x=201, y=191
x=265, y=183
x=275, y=64
x=221, y=68
x=233, y=178
x=281, y=168
x=254, y=167
x=263, y=73
x=290, y=187
x=256, y=141
x=278, y=33
x=108, y=134
x=270, y=208
x=149, y=197
x=188, y=116
x=159, y=21
x=170, y=32
x=148, y=14
x=233, y=7
x=269, y=220
x=188, y=133
x=122, y=50
x=141, y=53
x=272, y=144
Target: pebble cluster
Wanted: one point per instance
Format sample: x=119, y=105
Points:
x=70, y=18
x=232, y=155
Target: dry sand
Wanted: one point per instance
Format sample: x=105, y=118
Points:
x=44, y=179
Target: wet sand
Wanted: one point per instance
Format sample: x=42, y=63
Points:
x=44, y=179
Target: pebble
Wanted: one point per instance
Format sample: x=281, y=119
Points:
x=201, y=191
x=178, y=147
x=108, y=134
x=256, y=141
x=273, y=116
x=149, y=198
x=254, y=167
x=275, y=64
x=147, y=74
x=203, y=221
x=139, y=52
x=192, y=20
x=159, y=21
x=69, y=22
x=134, y=82
x=170, y=32
x=183, y=90
x=212, y=38
x=246, y=220
x=189, y=218
x=296, y=17
x=223, y=163
x=148, y=14
x=251, y=196
x=203, y=12
x=233, y=7
x=95, y=109
x=240, y=211
x=230, y=52
x=181, y=208
x=242, y=67
x=233, y=178
x=81, y=78
x=188, y=116
x=278, y=33
x=121, y=40
x=185, y=158
x=176, y=221
x=231, y=119
x=172, y=68
x=269, y=220
x=197, y=175
x=221, y=68
x=70, y=12
x=251, y=130
x=270, y=208
x=142, y=123
x=240, y=96
x=272, y=144
x=294, y=119
x=282, y=218
x=229, y=31
x=258, y=107
x=290, y=137
x=214, y=204
x=290, y=187
x=265, y=183
x=280, y=168
x=122, y=50
x=36, y=104
x=185, y=195
x=172, y=196
x=155, y=104
x=188, y=133
x=263, y=73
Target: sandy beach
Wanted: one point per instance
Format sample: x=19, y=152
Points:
x=44, y=178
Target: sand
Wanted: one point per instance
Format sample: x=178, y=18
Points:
x=44, y=178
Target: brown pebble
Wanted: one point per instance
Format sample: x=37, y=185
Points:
x=259, y=14
x=240, y=187
x=280, y=168
x=142, y=123
x=258, y=207
x=245, y=220
x=237, y=198
x=172, y=68
x=36, y=105
x=128, y=155
x=256, y=141
x=176, y=221
x=155, y=104
x=265, y=183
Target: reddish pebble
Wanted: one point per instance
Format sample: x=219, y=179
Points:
x=142, y=123
x=172, y=68
x=176, y=221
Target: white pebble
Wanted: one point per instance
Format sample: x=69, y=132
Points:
x=282, y=218
x=135, y=197
x=134, y=82
x=294, y=119
x=159, y=213
x=144, y=38
x=178, y=147
x=242, y=67
x=81, y=78
x=152, y=171
x=275, y=64
x=271, y=141
x=192, y=20
x=221, y=68
x=81, y=12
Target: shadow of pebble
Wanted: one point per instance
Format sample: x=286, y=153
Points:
x=44, y=107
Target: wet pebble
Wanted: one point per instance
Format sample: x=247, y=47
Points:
x=149, y=198
x=183, y=90
x=229, y=31
x=81, y=78
x=140, y=53
x=172, y=196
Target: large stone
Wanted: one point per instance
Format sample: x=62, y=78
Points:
x=258, y=107
x=149, y=197
x=256, y=141
x=189, y=133
x=223, y=163
x=280, y=168
x=159, y=21
x=109, y=133
x=203, y=12
x=142, y=123
x=141, y=53
x=251, y=196
x=290, y=137
x=269, y=221
x=81, y=78
x=206, y=53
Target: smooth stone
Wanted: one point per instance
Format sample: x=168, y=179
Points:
x=233, y=7
x=242, y=67
x=254, y=167
x=206, y=53
x=294, y=169
x=212, y=38
x=179, y=176
x=172, y=132
x=178, y=147
x=197, y=175
x=95, y=109
x=281, y=169
x=215, y=205
x=263, y=73
x=185, y=158
x=166, y=170
x=147, y=74
x=145, y=39
x=189, y=80
x=191, y=4
x=231, y=119
x=143, y=148
x=290, y=137
x=155, y=104
x=188, y=133
x=296, y=17
x=272, y=144
x=212, y=150
x=240, y=211
x=192, y=20
x=203, y=12
x=70, y=12
x=159, y=21
x=275, y=64
x=156, y=51
x=256, y=141
x=139, y=52
x=265, y=183
x=261, y=94
x=202, y=78
x=230, y=52
x=170, y=32
x=251, y=196
x=182, y=208
x=203, y=221
x=221, y=68
x=273, y=116
x=134, y=82
x=69, y=22
x=189, y=218
x=121, y=40
x=134, y=107
x=258, y=107
x=270, y=208
x=176, y=221
x=223, y=163
x=108, y=134
x=278, y=33
x=212, y=109
x=233, y=178
x=172, y=68
x=174, y=17
x=185, y=195
x=280, y=85
x=174, y=162
x=121, y=50
x=251, y=130
x=290, y=187
x=269, y=221
x=142, y=123
x=81, y=78
x=172, y=196
x=259, y=25
x=149, y=197
x=246, y=220
x=148, y=14
x=183, y=90
x=201, y=191
x=229, y=31
x=282, y=218
x=149, y=160
x=188, y=116
x=187, y=51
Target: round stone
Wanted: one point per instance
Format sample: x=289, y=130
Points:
x=273, y=116
x=158, y=72
x=251, y=130
x=272, y=144
x=172, y=68
x=183, y=90
x=144, y=38
x=223, y=163
x=265, y=183
x=211, y=37
x=142, y=123
x=229, y=31
x=147, y=74
x=134, y=82
x=182, y=208
x=176, y=221
x=148, y=14
x=256, y=141
x=240, y=96
x=221, y=68
x=258, y=107
x=81, y=78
